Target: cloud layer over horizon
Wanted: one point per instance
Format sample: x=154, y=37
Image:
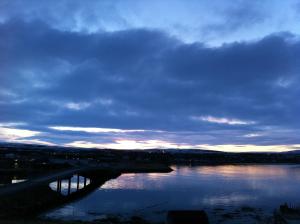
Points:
x=79, y=78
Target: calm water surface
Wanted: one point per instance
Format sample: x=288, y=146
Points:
x=202, y=187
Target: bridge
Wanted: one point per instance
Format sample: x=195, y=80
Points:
x=37, y=195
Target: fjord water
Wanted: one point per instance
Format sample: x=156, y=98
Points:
x=200, y=187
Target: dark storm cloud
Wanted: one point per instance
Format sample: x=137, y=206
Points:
x=210, y=21
x=145, y=79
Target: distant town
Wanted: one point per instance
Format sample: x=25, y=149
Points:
x=38, y=157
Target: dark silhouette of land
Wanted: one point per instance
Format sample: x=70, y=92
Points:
x=16, y=157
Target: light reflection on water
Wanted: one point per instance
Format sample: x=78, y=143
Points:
x=15, y=181
x=10, y=179
x=202, y=187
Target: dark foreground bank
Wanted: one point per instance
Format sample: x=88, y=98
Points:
x=245, y=215
x=134, y=220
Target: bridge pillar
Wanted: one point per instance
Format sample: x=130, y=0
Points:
x=69, y=186
x=59, y=186
x=84, y=181
x=77, y=182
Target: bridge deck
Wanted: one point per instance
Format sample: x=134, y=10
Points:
x=117, y=168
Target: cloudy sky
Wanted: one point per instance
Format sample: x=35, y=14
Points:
x=211, y=74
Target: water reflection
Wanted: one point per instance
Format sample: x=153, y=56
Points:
x=11, y=179
x=15, y=181
x=70, y=185
x=149, y=195
x=234, y=171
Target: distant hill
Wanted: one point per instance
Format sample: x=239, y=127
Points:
x=183, y=151
x=21, y=146
x=293, y=152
